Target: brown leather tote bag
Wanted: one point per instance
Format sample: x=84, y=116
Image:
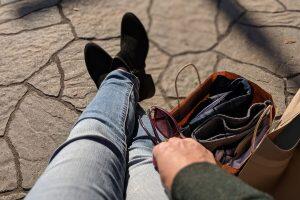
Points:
x=274, y=165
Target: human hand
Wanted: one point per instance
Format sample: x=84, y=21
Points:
x=175, y=154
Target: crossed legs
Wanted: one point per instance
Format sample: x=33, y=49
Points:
x=95, y=162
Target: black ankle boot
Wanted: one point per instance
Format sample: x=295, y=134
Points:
x=133, y=53
x=98, y=62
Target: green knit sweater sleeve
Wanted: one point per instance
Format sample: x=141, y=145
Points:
x=207, y=181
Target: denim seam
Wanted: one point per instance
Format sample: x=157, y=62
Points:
x=126, y=108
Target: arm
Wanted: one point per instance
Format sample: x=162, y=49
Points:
x=207, y=181
x=189, y=171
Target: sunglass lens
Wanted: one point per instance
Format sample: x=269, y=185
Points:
x=164, y=123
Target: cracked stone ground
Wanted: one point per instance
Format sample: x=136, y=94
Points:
x=44, y=85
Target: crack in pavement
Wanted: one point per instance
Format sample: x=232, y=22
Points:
x=54, y=58
x=285, y=92
x=30, y=76
x=50, y=60
x=158, y=47
x=40, y=93
x=62, y=76
x=25, y=14
x=222, y=37
x=33, y=29
x=215, y=67
x=11, y=146
x=269, y=26
x=242, y=62
x=67, y=20
x=149, y=15
x=216, y=18
x=99, y=39
x=283, y=6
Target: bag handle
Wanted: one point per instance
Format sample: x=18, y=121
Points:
x=176, y=88
x=268, y=110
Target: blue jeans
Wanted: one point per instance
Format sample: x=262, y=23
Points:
x=107, y=154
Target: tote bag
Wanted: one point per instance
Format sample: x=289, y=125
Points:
x=274, y=165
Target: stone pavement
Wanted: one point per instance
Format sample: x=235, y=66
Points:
x=44, y=85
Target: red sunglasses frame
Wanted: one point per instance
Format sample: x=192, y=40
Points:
x=156, y=140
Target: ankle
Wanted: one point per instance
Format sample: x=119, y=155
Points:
x=119, y=63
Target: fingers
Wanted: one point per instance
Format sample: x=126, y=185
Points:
x=161, y=147
x=185, y=141
x=171, y=156
x=158, y=148
x=174, y=141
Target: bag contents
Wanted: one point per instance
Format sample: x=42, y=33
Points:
x=226, y=96
x=225, y=119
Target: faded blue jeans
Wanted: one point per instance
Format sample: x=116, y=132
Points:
x=107, y=154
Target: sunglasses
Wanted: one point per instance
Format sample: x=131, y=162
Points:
x=163, y=122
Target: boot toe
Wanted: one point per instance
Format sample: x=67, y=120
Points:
x=98, y=61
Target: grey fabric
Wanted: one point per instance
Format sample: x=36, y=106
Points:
x=226, y=97
x=221, y=130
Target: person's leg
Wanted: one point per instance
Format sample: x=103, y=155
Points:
x=91, y=164
x=143, y=180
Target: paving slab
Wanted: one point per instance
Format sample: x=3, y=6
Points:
x=291, y=4
x=262, y=6
x=281, y=19
x=10, y=10
x=27, y=52
x=44, y=84
x=8, y=101
x=48, y=80
x=8, y=173
x=267, y=47
x=39, y=126
x=101, y=19
x=13, y=196
x=228, y=13
x=35, y=20
x=197, y=17
x=79, y=88
x=293, y=84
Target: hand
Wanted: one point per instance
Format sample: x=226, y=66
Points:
x=175, y=154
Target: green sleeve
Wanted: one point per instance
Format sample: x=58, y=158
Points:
x=207, y=181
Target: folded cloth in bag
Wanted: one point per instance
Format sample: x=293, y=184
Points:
x=187, y=107
x=222, y=113
x=246, y=147
x=222, y=130
x=225, y=96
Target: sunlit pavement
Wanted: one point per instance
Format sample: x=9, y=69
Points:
x=44, y=85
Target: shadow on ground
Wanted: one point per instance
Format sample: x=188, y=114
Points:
x=260, y=40
x=230, y=9
x=28, y=7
